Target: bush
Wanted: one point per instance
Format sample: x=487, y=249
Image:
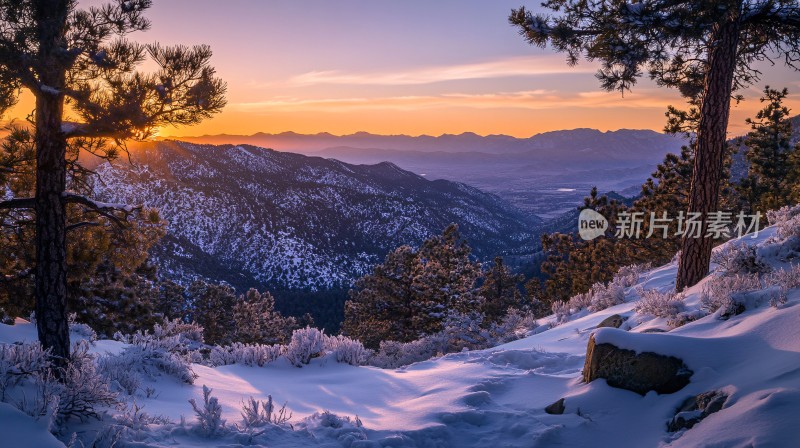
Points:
x=392, y=355
x=786, y=220
x=348, y=350
x=257, y=414
x=665, y=305
x=600, y=296
x=606, y=296
x=82, y=330
x=628, y=276
x=306, y=343
x=209, y=417
x=465, y=331
x=134, y=417
x=19, y=362
x=515, y=325
x=725, y=293
x=561, y=311
x=85, y=389
x=246, y=354
x=739, y=258
x=169, y=349
x=785, y=280
x=146, y=360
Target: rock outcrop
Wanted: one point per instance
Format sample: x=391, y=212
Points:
x=695, y=409
x=640, y=373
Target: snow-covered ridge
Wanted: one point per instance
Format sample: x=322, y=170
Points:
x=290, y=221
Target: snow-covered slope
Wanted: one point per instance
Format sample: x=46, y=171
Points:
x=496, y=397
x=261, y=218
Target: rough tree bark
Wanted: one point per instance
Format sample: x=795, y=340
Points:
x=711, y=144
x=51, y=181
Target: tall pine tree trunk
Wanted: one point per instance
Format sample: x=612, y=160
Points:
x=711, y=144
x=51, y=181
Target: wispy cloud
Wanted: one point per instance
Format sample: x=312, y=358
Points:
x=502, y=68
x=529, y=99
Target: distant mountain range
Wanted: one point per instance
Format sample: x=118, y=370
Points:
x=544, y=175
x=624, y=145
x=257, y=217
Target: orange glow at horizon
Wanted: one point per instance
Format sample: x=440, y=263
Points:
x=520, y=114
x=411, y=67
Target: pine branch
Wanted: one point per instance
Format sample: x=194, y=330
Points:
x=104, y=209
x=18, y=204
x=82, y=224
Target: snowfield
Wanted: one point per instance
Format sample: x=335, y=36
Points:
x=496, y=397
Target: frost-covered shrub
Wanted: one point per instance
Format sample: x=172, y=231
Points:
x=684, y=318
x=606, y=296
x=168, y=349
x=462, y=331
x=80, y=393
x=600, y=296
x=725, y=293
x=306, y=343
x=580, y=302
x=80, y=329
x=347, y=350
x=786, y=220
x=170, y=335
x=19, y=362
x=257, y=414
x=146, y=360
x=628, y=276
x=245, y=354
x=515, y=325
x=120, y=372
x=85, y=389
x=134, y=417
x=209, y=416
x=327, y=419
x=561, y=311
x=785, y=280
x=666, y=305
x=739, y=259
x=43, y=404
x=392, y=355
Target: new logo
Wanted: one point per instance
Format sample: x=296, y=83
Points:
x=591, y=224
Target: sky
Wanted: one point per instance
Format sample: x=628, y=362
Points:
x=401, y=67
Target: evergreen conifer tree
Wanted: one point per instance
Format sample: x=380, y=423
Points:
x=706, y=49
x=500, y=291
x=79, y=60
x=770, y=155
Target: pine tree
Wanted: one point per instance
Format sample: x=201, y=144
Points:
x=101, y=259
x=255, y=320
x=500, y=291
x=171, y=301
x=383, y=305
x=445, y=280
x=770, y=155
x=707, y=50
x=211, y=308
x=411, y=293
x=79, y=58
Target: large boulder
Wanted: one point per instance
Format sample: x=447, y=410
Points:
x=639, y=373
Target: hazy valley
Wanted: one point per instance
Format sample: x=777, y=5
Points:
x=544, y=175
